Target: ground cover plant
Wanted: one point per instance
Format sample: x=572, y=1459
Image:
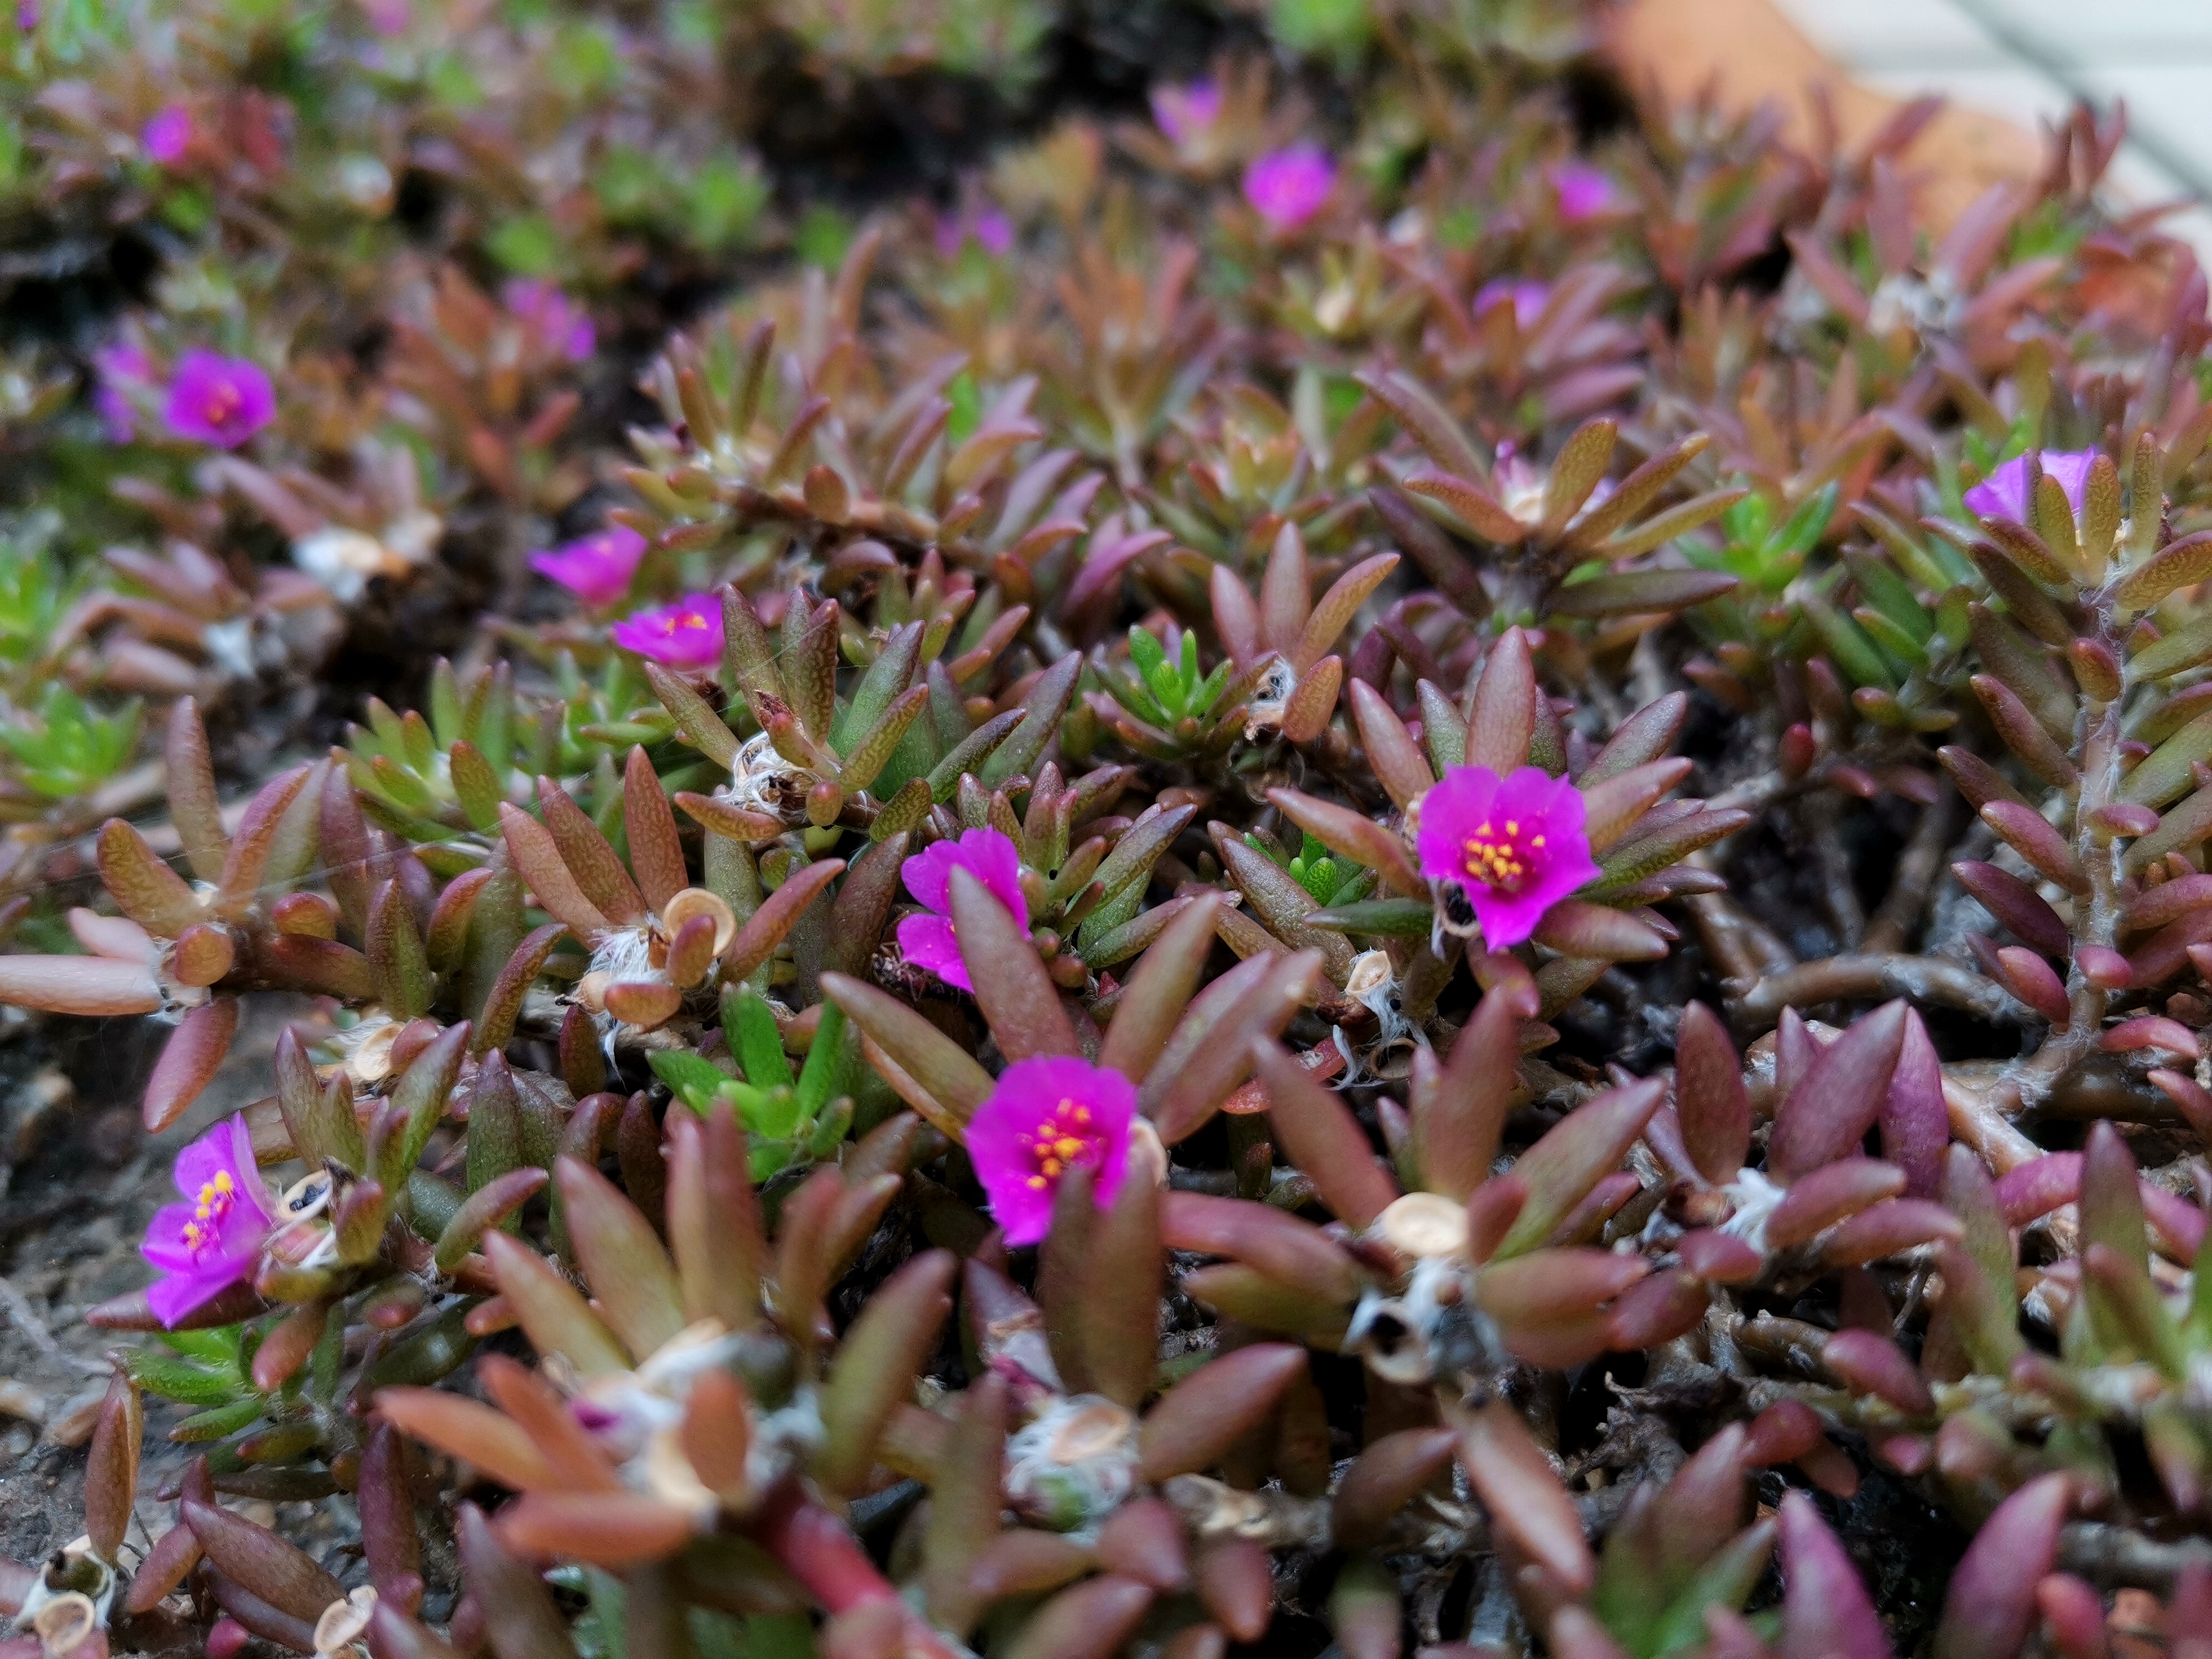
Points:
x=1009, y=828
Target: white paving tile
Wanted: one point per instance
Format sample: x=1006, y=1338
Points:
x=1883, y=34
x=2109, y=31
x=2012, y=89
x=2169, y=103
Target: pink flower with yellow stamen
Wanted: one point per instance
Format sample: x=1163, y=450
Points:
x=218, y=400
x=214, y=1238
x=598, y=568
x=557, y=320
x=1514, y=846
x=167, y=138
x=2003, y=494
x=1185, y=112
x=685, y=635
x=1048, y=1115
x=1288, y=186
x=928, y=940
x=1528, y=298
x=1583, y=191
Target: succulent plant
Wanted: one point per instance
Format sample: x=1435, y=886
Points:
x=1369, y=868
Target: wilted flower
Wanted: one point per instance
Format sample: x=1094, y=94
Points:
x=123, y=370
x=1287, y=188
x=559, y=320
x=988, y=856
x=213, y=1239
x=1585, y=192
x=219, y=400
x=168, y=136
x=1184, y=111
x=1514, y=845
x=597, y=569
x=687, y=633
x=1528, y=298
x=2003, y=494
x=1049, y=1114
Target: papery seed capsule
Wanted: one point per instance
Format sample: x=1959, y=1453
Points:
x=1422, y=1224
x=691, y=901
x=69, y=1624
x=409, y=1040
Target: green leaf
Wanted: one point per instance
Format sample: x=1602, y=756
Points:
x=726, y=200
x=1804, y=527
x=224, y=1420
x=827, y=1062
x=1395, y=918
x=694, y=1079
x=187, y=1384
x=751, y=1031
x=967, y=401
x=823, y=237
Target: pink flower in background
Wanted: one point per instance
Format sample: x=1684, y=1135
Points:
x=27, y=13
x=685, y=635
x=994, y=230
x=218, y=400
x=1515, y=846
x=2003, y=494
x=388, y=17
x=123, y=370
x=598, y=568
x=213, y=1239
x=1585, y=192
x=1287, y=188
x=1528, y=298
x=989, y=857
x=1185, y=110
x=990, y=229
x=1048, y=1116
x=557, y=320
x=168, y=136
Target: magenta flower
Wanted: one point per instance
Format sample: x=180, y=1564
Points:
x=388, y=18
x=219, y=400
x=555, y=319
x=989, y=857
x=123, y=370
x=1049, y=1114
x=1287, y=188
x=1585, y=192
x=27, y=15
x=2003, y=494
x=1185, y=110
x=990, y=229
x=597, y=569
x=1528, y=298
x=168, y=136
x=685, y=635
x=1515, y=846
x=213, y=1239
